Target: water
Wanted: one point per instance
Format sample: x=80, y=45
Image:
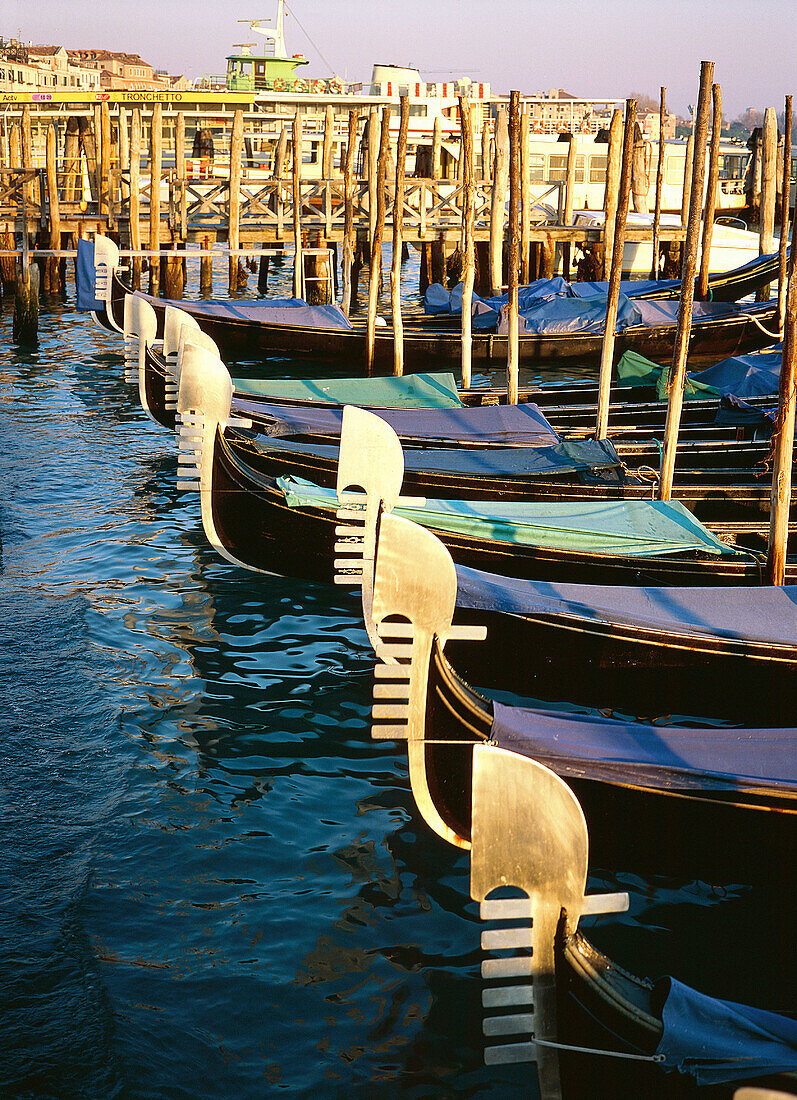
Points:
x=213, y=882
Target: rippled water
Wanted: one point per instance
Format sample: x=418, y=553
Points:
x=214, y=883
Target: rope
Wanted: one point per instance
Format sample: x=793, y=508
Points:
x=658, y=1058
x=771, y=335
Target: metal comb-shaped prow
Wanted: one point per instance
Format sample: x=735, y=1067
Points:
x=106, y=261
x=140, y=326
x=199, y=339
x=203, y=402
x=370, y=473
x=528, y=831
x=174, y=321
x=415, y=579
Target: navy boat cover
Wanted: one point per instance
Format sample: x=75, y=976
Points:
x=666, y=758
x=717, y=1042
x=504, y=462
x=275, y=311
x=507, y=424
x=87, y=299
x=753, y=375
x=766, y=614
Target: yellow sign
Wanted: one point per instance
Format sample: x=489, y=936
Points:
x=135, y=98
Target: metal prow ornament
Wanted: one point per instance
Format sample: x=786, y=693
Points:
x=370, y=473
x=187, y=334
x=106, y=262
x=527, y=828
x=204, y=401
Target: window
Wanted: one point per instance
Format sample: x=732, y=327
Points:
x=537, y=167
x=730, y=166
x=558, y=168
x=597, y=169
x=674, y=171
x=418, y=110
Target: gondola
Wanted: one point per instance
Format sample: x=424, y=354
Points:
x=281, y=525
x=526, y=832
x=235, y=328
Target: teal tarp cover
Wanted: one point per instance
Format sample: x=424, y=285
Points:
x=634, y=528
x=427, y=391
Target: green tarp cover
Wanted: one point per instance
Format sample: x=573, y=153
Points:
x=634, y=369
x=631, y=528
x=427, y=391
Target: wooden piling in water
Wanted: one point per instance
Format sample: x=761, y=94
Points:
x=498, y=202
x=349, y=294
x=376, y=244
x=654, y=259
x=486, y=158
x=71, y=177
x=173, y=274
x=512, y=357
x=783, y=436
x=766, y=218
x=53, y=274
x=398, y=239
x=27, y=151
x=616, y=274
x=206, y=269
x=525, y=197
x=570, y=183
x=105, y=159
x=372, y=158
x=124, y=152
x=25, y=326
x=711, y=192
x=681, y=348
x=155, y=155
x=784, y=222
x=328, y=147
x=686, y=193
x=611, y=191
x=640, y=184
x=234, y=204
x=468, y=251
x=296, y=179
x=135, y=200
x=179, y=168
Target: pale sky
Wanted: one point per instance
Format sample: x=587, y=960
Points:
x=594, y=48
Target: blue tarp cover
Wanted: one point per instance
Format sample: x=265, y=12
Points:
x=765, y=614
x=436, y=390
x=274, y=311
x=489, y=424
x=660, y=757
x=561, y=315
x=84, y=278
x=483, y=462
x=753, y=375
x=720, y=1041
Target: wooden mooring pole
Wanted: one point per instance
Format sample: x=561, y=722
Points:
x=512, y=357
x=234, y=204
x=498, y=203
x=616, y=274
x=711, y=192
x=53, y=281
x=654, y=259
x=398, y=239
x=612, y=190
x=206, y=268
x=296, y=179
x=135, y=197
x=155, y=154
x=681, y=349
x=783, y=436
x=349, y=296
x=468, y=250
x=376, y=243
x=784, y=217
x=766, y=218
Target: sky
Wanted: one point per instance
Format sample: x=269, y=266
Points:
x=592, y=48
